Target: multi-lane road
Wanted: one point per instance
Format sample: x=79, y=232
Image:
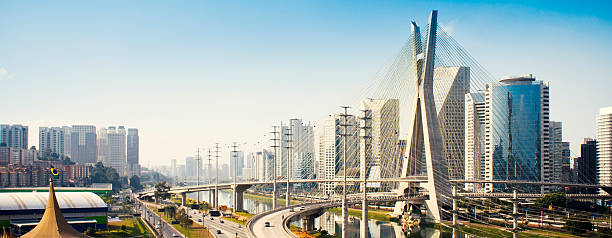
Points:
x=275, y=219
x=160, y=227
x=227, y=228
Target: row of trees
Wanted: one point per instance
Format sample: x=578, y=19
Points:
x=101, y=174
x=179, y=215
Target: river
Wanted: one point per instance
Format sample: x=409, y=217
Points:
x=332, y=223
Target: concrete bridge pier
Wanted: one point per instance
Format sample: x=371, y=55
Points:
x=184, y=199
x=215, y=204
x=308, y=223
x=239, y=197
x=308, y=218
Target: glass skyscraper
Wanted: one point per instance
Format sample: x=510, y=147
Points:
x=516, y=133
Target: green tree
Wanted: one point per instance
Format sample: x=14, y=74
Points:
x=183, y=218
x=170, y=211
x=555, y=199
x=162, y=191
x=101, y=174
x=135, y=183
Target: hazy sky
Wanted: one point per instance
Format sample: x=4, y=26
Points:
x=192, y=73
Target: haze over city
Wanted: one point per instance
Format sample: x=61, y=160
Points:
x=189, y=74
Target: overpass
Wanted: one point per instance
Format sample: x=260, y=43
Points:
x=284, y=216
x=239, y=188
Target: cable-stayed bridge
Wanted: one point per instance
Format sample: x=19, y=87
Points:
x=433, y=128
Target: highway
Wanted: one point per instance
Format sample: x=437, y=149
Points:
x=276, y=217
x=161, y=227
x=227, y=228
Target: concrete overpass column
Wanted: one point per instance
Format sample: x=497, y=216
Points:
x=308, y=223
x=239, y=200
x=215, y=198
x=184, y=199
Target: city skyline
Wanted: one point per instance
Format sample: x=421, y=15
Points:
x=194, y=82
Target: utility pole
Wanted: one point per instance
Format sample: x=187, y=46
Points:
x=198, y=174
x=209, y=179
x=217, y=179
x=366, y=152
x=235, y=155
x=289, y=141
x=275, y=147
x=344, y=152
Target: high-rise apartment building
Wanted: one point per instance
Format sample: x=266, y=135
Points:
x=236, y=162
x=173, y=168
x=297, y=142
x=559, y=154
x=450, y=86
x=585, y=166
x=382, y=136
x=102, y=140
x=475, y=112
x=116, y=155
x=331, y=149
x=15, y=136
x=517, y=145
x=303, y=150
x=190, y=167
x=51, y=141
x=604, y=146
x=67, y=131
x=83, y=144
x=133, y=166
x=264, y=164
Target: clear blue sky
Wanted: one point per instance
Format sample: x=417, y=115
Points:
x=190, y=73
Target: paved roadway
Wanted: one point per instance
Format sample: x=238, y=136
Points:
x=227, y=228
x=276, y=222
x=161, y=227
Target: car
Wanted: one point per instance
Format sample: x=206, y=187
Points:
x=212, y=218
x=267, y=224
x=239, y=226
x=218, y=231
x=189, y=216
x=175, y=235
x=156, y=227
x=221, y=221
x=199, y=220
x=291, y=209
x=302, y=208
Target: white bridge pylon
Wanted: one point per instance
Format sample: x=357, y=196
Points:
x=425, y=133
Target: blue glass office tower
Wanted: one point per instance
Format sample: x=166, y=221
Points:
x=517, y=133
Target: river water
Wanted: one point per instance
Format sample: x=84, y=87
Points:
x=332, y=223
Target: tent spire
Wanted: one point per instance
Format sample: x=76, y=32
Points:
x=53, y=224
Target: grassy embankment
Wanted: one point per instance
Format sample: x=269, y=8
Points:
x=194, y=230
x=134, y=227
x=373, y=214
x=239, y=217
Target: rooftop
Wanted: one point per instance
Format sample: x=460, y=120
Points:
x=38, y=201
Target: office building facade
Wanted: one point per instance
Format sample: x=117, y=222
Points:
x=83, y=144
x=133, y=159
x=517, y=145
x=604, y=146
